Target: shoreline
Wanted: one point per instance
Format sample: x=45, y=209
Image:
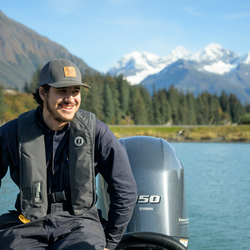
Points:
x=220, y=133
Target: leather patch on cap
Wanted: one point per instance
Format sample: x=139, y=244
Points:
x=69, y=71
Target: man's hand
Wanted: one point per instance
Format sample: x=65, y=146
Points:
x=105, y=248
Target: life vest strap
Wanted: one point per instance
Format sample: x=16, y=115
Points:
x=57, y=197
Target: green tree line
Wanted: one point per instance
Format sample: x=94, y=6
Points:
x=115, y=101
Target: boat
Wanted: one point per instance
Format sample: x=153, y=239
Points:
x=160, y=217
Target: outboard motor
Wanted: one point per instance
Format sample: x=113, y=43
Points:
x=160, y=217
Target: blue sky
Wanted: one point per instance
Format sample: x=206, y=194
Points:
x=101, y=31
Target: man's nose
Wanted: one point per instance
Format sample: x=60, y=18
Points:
x=70, y=98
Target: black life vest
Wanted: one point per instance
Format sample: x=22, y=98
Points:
x=32, y=161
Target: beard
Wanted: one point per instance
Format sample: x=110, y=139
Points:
x=57, y=117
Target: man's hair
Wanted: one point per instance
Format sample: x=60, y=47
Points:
x=36, y=94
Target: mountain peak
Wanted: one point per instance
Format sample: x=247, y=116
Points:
x=136, y=66
x=214, y=53
x=215, y=59
x=248, y=58
x=213, y=47
x=214, y=50
x=245, y=58
x=179, y=52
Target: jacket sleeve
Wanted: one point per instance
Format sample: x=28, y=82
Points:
x=8, y=147
x=113, y=164
x=3, y=165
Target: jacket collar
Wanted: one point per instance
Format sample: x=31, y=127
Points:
x=41, y=122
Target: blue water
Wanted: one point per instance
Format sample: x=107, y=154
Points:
x=217, y=179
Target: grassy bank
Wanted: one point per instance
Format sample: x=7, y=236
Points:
x=229, y=133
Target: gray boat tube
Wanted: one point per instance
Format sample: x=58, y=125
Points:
x=147, y=240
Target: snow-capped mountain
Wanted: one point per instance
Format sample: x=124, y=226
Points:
x=215, y=53
x=212, y=69
x=214, y=58
x=137, y=66
x=246, y=58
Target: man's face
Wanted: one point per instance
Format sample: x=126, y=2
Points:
x=60, y=105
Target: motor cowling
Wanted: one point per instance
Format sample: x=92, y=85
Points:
x=161, y=202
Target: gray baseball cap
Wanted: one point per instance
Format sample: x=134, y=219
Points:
x=61, y=73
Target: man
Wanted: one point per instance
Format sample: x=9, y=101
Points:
x=52, y=154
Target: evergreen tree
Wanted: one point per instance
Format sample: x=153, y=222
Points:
x=182, y=109
x=201, y=111
x=236, y=108
x=108, y=107
x=224, y=102
x=247, y=108
x=156, y=105
x=94, y=100
x=173, y=98
x=115, y=96
x=141, y=116
x=123, y=91
x=225, y=107
x=84, y=95
x=165, y=109
x=148, y=103
x=191, y=116
x=215, y=110
x=205, y=111
x=137, y=108
x=26, y=87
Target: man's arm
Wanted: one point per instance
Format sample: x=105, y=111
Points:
x=8, y=148
x=3, y=166
x=113, y=164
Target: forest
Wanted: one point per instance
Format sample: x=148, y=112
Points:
x=116, y=102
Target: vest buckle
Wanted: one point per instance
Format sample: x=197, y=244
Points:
x=57, y=197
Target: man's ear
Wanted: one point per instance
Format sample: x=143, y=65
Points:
x=42, y=93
